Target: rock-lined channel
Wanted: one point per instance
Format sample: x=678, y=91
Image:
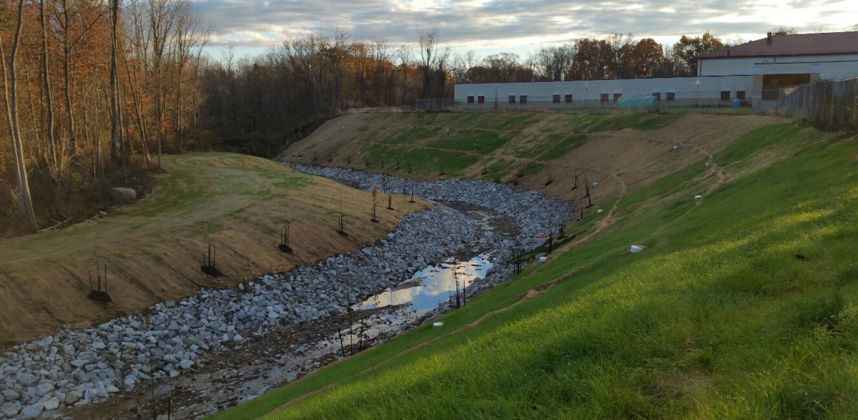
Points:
x=219, y=347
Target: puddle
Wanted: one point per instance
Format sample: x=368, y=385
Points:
x=431, y=286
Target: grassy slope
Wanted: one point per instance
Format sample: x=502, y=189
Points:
x=421, y=143
x=717, y=318
x=536, y=150
x=152, y=249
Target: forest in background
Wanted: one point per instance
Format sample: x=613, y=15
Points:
x=95, y=92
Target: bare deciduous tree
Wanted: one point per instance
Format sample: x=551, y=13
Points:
x=11, y=100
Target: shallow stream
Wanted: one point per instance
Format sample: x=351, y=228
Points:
x=433, y=285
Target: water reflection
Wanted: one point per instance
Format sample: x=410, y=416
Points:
x=432, y=285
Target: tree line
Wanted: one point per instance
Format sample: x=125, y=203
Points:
x=615, y=57
x=256, y=105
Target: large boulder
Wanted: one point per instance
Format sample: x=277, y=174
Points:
x=123, y=195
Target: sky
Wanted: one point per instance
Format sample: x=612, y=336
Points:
x=250, y=27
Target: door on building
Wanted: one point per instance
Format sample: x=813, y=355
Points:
x=774, y=83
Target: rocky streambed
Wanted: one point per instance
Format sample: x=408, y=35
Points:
x=218, y=347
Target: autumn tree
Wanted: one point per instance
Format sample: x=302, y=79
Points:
x=643, y=57
x=688, y=49
x=83, y=81
x=594, y=59
x=11, y=101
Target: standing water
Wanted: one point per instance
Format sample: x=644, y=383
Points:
x=433, y=285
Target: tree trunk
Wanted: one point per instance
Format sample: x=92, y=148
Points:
x=158, y=117
x=54, y=158
x=140, y=123
x=68, y=83
x=179, y=139
x=115, y=134
x=12, y=114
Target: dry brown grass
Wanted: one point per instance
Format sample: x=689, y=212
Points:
x=153, y=248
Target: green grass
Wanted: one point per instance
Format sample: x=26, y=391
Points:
x=412, y=135
x=529, y=169
x=610, y=121
x=418, y=159
x=499, y=169
x=474, y=141
x=716, y=319
x=191, y=181
x=555, y=146
x=665, y=186
x=759, y=139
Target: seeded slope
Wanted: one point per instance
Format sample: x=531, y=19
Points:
x=744, y=304
x=153, y=248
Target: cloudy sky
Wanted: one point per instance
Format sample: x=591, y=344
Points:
x=490, y=26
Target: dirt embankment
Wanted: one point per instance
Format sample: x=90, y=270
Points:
x=152, y=250
x=544, y=151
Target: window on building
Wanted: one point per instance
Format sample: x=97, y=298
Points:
x=555, y=99
x=740, y=94
x=725, y=95
x=670, y=96
x=522, y=99
x=568, y=98
x=481, y=99
x=617, y=96
x=604, y=97
x=657, y=95
x=470, y=99
x=512, y=99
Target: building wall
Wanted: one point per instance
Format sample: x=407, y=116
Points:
x=685, y=90
x=828, y=67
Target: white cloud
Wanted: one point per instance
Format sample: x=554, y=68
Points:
x=519, y=25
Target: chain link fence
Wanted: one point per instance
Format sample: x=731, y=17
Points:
x=434, y=104
x=826, y=104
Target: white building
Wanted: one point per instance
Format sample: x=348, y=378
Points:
x=752, y=72
x=704, y=90
x=781, y=61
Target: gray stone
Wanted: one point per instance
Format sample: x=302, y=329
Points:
x=27, y=379
x=73, y=397
x=100, y=390
x=43, y=388
x=123, y=195
x=32, y=411
x=177, y=331
x=52, y=404
x=112, y=389
x=11, y=409
x=11, y=394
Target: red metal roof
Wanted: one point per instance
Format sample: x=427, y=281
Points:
x=828, y=43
